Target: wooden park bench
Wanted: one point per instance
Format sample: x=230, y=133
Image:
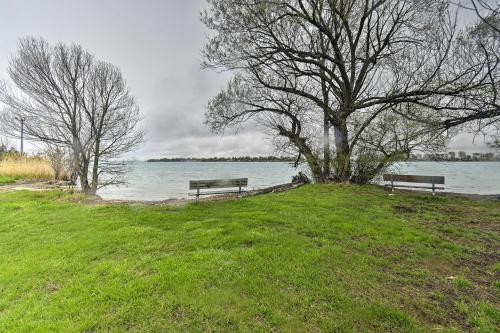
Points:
x=200, y=186
x=396, y=179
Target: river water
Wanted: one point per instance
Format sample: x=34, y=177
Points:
x=169, y=180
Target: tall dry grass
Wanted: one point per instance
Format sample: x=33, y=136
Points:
x=34, y=167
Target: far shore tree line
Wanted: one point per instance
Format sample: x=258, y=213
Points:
x=453, y=156
x=225, y=159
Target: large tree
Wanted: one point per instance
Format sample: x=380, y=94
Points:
x=386, y=76
x=72, y=100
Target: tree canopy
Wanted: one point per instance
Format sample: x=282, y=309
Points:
x=378, y=79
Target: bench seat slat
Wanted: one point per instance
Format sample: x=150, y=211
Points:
x=193, y=194
x=217, y=183
x=414, y=179
x=415, y=186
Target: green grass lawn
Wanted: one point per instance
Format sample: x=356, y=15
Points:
x=5, y=180
x=318, y=258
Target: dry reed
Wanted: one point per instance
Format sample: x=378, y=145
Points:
x=35, y=167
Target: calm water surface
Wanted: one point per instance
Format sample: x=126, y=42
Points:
x=167, y=180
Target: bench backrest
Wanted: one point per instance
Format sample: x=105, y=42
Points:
x=414, y=179
x=217, y=183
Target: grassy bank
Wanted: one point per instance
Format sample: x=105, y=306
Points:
x=318, y=258
x=5, y=180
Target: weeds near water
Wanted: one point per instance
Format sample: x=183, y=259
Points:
x=19, y=166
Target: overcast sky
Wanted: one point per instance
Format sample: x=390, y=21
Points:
x=157, y=44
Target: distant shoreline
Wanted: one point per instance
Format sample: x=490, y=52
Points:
x=224, y=159
x=452, y=161
x=285, y=160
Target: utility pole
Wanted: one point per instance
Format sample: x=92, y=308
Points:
x=21, y=119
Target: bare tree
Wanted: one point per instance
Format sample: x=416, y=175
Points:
x=70, y=99
x=358, y=67
x=113, y=116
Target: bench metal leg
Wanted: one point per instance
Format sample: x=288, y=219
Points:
x=392, y=185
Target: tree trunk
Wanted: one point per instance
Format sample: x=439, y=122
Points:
x=317, y=171
x=95, y=170
x=343, y=153
x=57, y=173
x=84, y=179
x=84, y=182
x=326, y=127
x=81, y=165
x=326, y=147
x=314, y=164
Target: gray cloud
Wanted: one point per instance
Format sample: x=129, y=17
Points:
x=243, y=144
x=157, y=44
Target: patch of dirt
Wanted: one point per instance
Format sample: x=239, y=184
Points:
x=435, y=299
x=35, y=185
x=52, y=287
x=479, y=264
x=484, y=225
x=481, y=197
x=170, y=202
x=403, y=209
x=436, y=293
x=383, y=251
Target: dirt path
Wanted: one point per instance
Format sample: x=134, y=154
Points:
x=42, y=185
x=34, y=185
